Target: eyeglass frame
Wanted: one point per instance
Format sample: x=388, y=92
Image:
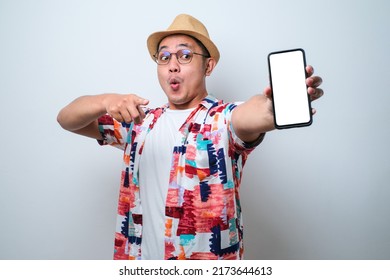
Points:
x=170, y=56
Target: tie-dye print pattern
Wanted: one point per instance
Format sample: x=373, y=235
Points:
x=203, y=211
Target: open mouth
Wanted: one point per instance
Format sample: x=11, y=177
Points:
x=174, y=83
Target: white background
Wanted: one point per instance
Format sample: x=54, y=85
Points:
x=320, y=192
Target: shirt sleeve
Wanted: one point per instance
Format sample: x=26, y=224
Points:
x=240, y=146
x=113, y=132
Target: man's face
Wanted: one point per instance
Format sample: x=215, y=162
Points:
x=184, y=84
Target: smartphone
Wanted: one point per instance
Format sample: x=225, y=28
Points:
x=291, y=102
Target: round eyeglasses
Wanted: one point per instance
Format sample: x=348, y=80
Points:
x=183, y=56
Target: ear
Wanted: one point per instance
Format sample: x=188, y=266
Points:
x=210, y=65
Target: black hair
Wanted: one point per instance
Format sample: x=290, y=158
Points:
x=200, y=44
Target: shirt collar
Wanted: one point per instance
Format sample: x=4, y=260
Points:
x=209, y=101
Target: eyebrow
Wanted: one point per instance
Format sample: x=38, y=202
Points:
x=180, y=45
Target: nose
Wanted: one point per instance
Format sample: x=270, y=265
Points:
x=174, y=65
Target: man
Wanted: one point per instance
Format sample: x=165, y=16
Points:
x=179, y=193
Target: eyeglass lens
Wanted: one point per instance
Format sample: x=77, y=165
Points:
x=183, y=56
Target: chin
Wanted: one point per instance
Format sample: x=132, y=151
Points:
x=176, y=97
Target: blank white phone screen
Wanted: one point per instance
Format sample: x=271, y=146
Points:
x=288, y=81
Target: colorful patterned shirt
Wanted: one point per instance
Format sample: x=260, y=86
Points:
x=203, y=212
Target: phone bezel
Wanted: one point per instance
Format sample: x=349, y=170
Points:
x=291, y=125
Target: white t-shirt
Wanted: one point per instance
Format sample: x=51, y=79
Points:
x=154, y=170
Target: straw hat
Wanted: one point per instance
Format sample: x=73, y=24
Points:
x=187, y=25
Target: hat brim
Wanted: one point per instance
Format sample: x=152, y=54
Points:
x=155, y=38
